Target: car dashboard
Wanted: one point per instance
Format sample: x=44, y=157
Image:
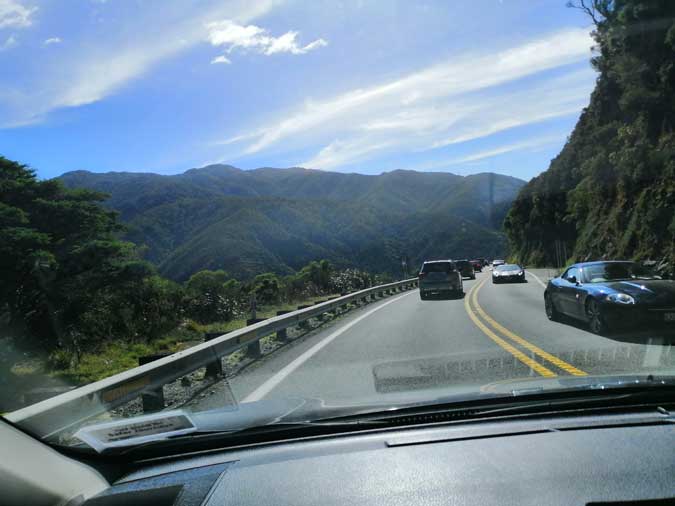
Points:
x=557, y=461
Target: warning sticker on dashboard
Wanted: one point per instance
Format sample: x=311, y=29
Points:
x=130, y=432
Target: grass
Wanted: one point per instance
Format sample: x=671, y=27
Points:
x=115, y=357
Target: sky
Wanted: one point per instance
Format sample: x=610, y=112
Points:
x=362, y=86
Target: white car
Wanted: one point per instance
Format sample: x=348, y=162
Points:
x=495, y=263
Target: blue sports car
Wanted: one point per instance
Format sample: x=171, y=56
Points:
x=611, y=295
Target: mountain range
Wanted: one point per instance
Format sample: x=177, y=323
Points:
x=267, y=219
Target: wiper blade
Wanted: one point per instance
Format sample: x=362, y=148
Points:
x=527, y=402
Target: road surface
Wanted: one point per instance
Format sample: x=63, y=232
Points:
x=403, y=345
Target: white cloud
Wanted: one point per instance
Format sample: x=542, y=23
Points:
x=9, y=43
x=232, y=36
x=446, y=103
x=14, y=14
x=99, y=67
x=529, y=144
x=52, y=40
x=221, y=59
x=338, y=152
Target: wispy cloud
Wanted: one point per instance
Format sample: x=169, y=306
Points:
x=14, y=14
x=530, y=144
x=221, y=59
x=99, y=68
x=447, y=103
x=9, y=43
x=52, y=40
x=233, y=36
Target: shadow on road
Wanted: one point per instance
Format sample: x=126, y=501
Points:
x=655, y=336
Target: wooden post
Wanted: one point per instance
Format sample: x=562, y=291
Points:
x=153, y=400
x=253, y=350
x=215, y=368
x=282, y=334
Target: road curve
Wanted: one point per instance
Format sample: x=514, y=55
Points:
x=402, y=346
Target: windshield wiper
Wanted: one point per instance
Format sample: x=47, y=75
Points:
x=607, y=395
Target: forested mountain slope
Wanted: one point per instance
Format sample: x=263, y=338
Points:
x=248, y=222
x=611, y=190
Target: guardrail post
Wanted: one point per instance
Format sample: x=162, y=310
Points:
x=282, y=334
x=321, y=316
x=153, y=400
x=304, y=324
x=253, y=350
x=215, y=368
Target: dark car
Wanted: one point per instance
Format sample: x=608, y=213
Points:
x=477, y=265
x=611, y=294
x=508, y=273
x=466, y=268
x=440, y=277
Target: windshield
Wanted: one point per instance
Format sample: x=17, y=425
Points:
x=225, y=214
x=615, y=271
x=508, y=267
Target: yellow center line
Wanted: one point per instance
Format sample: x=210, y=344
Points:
x=532, y=364
x=565, y=366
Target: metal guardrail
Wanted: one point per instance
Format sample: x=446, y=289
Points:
x=56, y=414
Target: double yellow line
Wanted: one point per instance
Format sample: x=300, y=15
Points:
x=482, y=320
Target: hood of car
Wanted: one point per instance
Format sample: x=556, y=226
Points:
x=642, y=290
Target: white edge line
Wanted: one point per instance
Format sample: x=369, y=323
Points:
x=282, y=374
x=537, y=278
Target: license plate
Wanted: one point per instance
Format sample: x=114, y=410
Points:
x=669, y=317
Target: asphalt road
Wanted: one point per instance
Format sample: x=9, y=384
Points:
x=401, y=347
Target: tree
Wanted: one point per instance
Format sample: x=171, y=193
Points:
x=267, y=288
x=611, y=190
x=65, y=277
x=212, y=296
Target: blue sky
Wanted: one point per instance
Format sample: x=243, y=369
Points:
x=355, y=86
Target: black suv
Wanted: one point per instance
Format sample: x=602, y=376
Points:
x=465, y=267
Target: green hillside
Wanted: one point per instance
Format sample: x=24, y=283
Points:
x=611, y=190
x=248, y=222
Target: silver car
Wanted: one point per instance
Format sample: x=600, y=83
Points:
x=440, y=277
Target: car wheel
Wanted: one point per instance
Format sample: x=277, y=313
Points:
x=551, y=311
x=423, y=296
x=473, y=276
x=596, y=321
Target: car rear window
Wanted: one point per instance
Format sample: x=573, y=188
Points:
x=438, y=267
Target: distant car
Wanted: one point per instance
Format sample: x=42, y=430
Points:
x=508, y=273
x=466, y=269
x=495, y=263
x=611, y=294
x=484, y=261
x=440, y=277
x=477, y=265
